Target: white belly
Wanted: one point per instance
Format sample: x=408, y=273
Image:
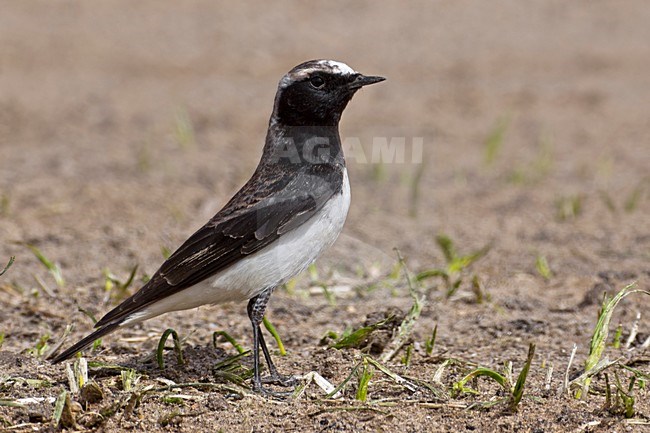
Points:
x=267, y=268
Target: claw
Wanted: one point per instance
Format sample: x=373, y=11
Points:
x=286, y=381
x=259, y=389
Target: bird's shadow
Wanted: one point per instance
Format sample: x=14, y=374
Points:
x=198, y=365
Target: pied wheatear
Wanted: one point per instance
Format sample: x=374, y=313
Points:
x=279, y=222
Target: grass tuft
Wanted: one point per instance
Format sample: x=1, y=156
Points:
x=41, y=346
x=515, y=393
x=595, y=362
x=129, y=378
x=358, y=337
x=518, y=390
x=232, y=370
x=54, y=269
x=406, y=327
x=117, y=288
x=456, y=264
x=625, y=399
x=97, y=343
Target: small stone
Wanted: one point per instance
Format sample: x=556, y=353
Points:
x=36, y=417
x=91, y=393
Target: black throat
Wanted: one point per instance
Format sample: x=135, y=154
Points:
x=295, y=146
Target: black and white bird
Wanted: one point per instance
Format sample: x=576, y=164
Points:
x=277, y=224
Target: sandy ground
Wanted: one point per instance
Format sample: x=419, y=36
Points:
x=96, y=172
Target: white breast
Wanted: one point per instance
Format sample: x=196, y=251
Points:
x=267, y=268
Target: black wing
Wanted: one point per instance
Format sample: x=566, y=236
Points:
x=253, y=219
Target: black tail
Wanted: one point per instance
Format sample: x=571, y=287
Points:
x=85, y=342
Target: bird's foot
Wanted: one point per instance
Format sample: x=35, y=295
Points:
x=263, y=391
x=275, y=378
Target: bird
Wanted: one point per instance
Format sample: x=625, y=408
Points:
x=291, y=210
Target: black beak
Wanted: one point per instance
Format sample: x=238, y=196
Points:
x=363, y=80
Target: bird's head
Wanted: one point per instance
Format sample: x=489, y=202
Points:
x=316, y=92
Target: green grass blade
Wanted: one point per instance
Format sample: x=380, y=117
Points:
x=6, y=268
x=404, y=331
x=359, y=336
x=54, y=269
x=269, y=327
x=394, y=376
x=459, y=387
x=228, y=338
x=432, y=273
x=406, y=360
x=518, y=390
x=129, y=379
x=10, y=403
x=431, y=342
x=166, y=252
x=231, y=360
x=599, y=338
x=58, y=407
x=336, y=390
x=406, y=327
x=632, y=201
x=541, y=264
x=415, y=188
x=494, y=140
x=460, y=263
x=364, y=380
x=161, y=348
x=446, y=246
x=184, y=130
x=98, y=365
x=129, y=280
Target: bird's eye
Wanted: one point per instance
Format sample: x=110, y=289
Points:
x=317, y=81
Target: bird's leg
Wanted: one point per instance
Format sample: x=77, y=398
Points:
x=274, y=377
x=256, y=308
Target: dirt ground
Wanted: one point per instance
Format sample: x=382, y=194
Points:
x=125, y=125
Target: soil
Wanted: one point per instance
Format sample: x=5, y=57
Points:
x=125, y=125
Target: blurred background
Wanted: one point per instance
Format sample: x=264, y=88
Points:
x=124, y=126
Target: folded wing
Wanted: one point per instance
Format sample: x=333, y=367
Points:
x=252, y=220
